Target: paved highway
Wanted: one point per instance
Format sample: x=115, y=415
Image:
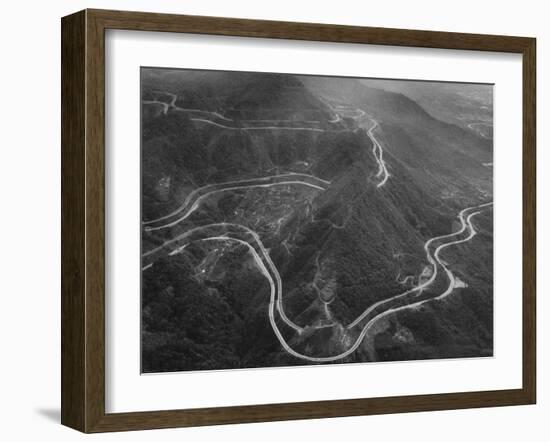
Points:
x=226, y=121
x=357, y=114
x=378, y=153
x=226, y=230
x=245, y=236
x=194, y=199
x=433, y=258
x=261, y=255
x=377, y=150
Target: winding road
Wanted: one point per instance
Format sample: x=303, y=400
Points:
x=412, y=298
x=194, y=199
x=225, y=124
x=356, y=114
x=235, y=232
x=378, y=153
x=450, y=239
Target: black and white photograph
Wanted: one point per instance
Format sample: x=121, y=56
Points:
x=291, y=220
x=275, y=221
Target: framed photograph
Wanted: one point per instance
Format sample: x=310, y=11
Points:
x=270, y=220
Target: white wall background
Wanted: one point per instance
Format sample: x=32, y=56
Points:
x=30, y=217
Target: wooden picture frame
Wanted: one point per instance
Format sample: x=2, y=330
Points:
x=83, y=220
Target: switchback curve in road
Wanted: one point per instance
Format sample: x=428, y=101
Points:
x=262, y=258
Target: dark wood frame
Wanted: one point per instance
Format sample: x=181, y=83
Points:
x=83, y=217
